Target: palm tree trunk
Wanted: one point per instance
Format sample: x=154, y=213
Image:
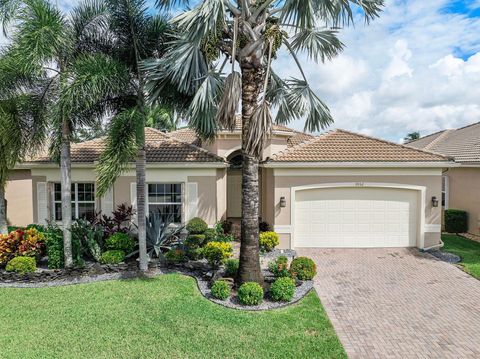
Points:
x=141, y=205
x=249, y=270
x=3, y=211
x=65, y=169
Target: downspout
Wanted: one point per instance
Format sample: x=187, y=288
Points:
x=434, y=247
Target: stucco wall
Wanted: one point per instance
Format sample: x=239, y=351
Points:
x=464, y=193
x=207, y=198
x=19, y=196
x=284, y=182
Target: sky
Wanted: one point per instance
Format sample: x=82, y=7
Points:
x=416, y=68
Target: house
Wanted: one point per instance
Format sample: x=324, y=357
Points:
x=461, y=184
x=339, y=189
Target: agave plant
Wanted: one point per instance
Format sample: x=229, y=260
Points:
x=162, y=235
x=248, y=34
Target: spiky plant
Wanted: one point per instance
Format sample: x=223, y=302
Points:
x=249, y=33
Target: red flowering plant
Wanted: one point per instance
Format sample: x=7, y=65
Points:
x=21, y=242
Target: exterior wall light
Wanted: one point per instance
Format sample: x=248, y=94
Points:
x=434, y=201
x=283, y=202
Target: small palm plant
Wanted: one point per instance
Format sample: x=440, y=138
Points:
x=248, y=34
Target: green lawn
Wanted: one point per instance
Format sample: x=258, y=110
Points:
x=165, y=317
x=468, y=250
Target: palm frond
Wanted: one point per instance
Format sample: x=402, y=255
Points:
x=228, y=106
x=317, y=43
x=259, y=129
x=169, y=4
x=120, y=149
x=341, y=12
x=202, y=110
x=299, y=13
x=9, y=10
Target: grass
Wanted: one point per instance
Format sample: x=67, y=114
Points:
x=164, y=317
x=468, y=250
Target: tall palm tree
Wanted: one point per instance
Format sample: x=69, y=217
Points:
x=48, y=50
x=249, y=33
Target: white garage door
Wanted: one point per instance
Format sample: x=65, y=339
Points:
x=356, y=217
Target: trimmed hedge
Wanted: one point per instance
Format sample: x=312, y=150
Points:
x=196, y=226
x=221, y=290
x=283, y=289
x=231, y=267
x=268, y=241
x=22, y=265
x=112, y=257
x=303, y=268
x=121, y=242
x=250, y=293
x=456, y=221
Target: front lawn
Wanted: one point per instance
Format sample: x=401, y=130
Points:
x=468, y=250
x=165, y=317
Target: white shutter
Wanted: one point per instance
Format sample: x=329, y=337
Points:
x=192, y=200
x=42, y=203
x=133, y=199
x=107, y=203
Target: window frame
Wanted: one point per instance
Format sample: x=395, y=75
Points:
x=180, y=204
x=75, y=200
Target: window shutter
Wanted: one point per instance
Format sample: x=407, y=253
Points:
x=192, y=200
x=107, y=203
x=133, y=198
x=42, y=203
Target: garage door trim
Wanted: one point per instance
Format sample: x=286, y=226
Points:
x=420, y=189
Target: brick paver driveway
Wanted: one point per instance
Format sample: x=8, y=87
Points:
x=398, y=303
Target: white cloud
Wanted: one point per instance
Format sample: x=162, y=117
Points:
x=399, y=66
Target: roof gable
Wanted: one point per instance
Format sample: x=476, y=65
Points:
x=345, y=146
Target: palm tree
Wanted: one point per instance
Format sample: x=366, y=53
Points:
x=44, y=62
x=250, y=33
x=412, y=136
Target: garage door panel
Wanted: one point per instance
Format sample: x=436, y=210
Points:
x=356, y=217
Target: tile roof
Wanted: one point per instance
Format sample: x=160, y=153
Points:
x=462, y=144
x=345, y=146
x=160, y=147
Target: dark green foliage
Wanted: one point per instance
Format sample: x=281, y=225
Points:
x=194, y=253
x=112, y=257
x=456, y=221
x=264, y=227
x=210, y=234
x=231, y=267
x=38, y=227
x=89, y=237
x=279, y=267
x=303, y=268
x=250, y=293
x=161, y=235
x=283, y=289
x=175, y=256
x=54, y=244
x=196, y=226
x=22, y=265
x=221, y=290
x=226, y=226
x=120, y=241
x=194, y=240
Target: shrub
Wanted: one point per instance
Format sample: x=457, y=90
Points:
x=21, y=242
x=264, y=227
x=195, y=240
x=89, y=237
x=283, y=289
x=175, y=256
x=217, y=252
x=279, y=267
x=226, y=226
x=120, y=241
x=210, y=235
x=303, y=268
x=221, y=289
x=196, y=226
x=54, y=244
x=194, y=253
x=250, y=293
x=113, y=256
x=268, y=241
x=456, y=221
x=231, y=267
x=22, y=265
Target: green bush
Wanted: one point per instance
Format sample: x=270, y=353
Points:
x=113, y=256
x=22, y=265
x=264, y=227
x=231, y=267
x=54, y=244
x=217, y=252
x=268, y=241
x=194, y=253
x=221, y=289
x=194, y=240
x=210, y=235
x=196, y=226
x=175, y=256
x=456, y=221
x=303, y=268
x=282, y=290
x=279, y=267
x=121, y=242
x=250, y=293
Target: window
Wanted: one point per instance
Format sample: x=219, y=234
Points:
x=83, y=201
x=165, y=201
x=445, y=192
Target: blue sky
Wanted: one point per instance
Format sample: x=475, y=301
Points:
x=416, y=68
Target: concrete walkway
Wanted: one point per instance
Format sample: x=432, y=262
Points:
x=398, y=303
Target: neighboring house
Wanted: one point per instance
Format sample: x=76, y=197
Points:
x=461, y=185
x=339, y=189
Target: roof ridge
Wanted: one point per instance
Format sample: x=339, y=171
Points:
x=439, y=138
x=393, y=143
x=464, y=127
x=301, y=144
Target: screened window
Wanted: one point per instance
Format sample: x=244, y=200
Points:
x=165, y=201
x=83, y=201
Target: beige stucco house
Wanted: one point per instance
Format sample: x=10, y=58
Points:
x=339, y=189
x=461, y=184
